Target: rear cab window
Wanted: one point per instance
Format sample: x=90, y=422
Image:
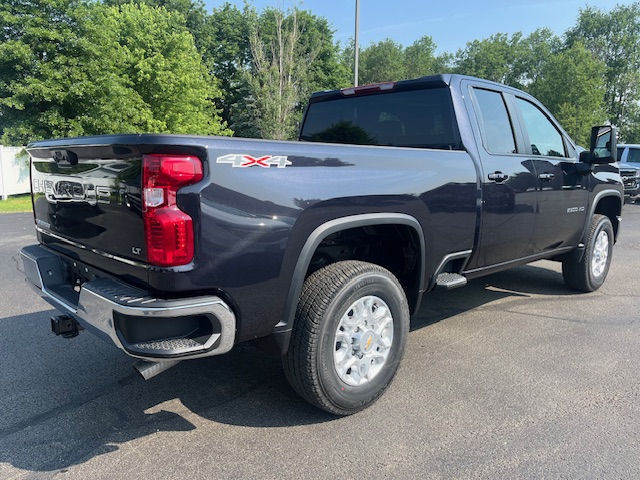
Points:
x=418, y=118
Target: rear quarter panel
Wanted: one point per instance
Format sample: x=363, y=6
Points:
x=254, y=221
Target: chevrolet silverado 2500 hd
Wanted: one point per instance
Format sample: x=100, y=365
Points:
x=178, y=247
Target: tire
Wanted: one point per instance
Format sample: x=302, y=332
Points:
x=590, y=272
x=348, y=338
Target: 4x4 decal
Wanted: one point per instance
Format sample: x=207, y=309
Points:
x=242, y=161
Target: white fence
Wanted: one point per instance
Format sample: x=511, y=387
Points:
x=14, y=172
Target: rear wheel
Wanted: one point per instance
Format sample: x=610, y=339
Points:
x=348, y=337
x=590, y=272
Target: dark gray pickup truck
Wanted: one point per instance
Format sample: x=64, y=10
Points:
x=177, y=247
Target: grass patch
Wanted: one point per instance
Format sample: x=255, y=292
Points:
x=17, y=203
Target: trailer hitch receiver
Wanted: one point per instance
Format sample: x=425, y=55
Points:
x=65, y=325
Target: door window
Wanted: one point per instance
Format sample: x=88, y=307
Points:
x=544, y=137
x=494, y=121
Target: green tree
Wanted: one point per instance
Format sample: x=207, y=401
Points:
x=38, y=41
x=193, y=11
x=534, y=52
x=571, y=85
x=382, y=62
x=227, y=53
x=159, y=61
x=73, y=68
x=292, y=55
x=493, y=58
x=394, y=62
x=632, y=132
x=278, y=69
x=420, y=59
x=327, y=71
x=614, y=37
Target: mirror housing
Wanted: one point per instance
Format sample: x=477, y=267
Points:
x=603, y=147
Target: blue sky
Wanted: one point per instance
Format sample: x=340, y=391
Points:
x=450, y=23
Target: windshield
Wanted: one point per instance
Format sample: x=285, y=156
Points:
x=633, y=156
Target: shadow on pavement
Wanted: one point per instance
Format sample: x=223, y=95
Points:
x=244, y=387
x=524, y=282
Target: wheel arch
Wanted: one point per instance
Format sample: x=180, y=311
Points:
x=608, y=203
x=282, y=331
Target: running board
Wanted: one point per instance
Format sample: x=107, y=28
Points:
x=450, y=281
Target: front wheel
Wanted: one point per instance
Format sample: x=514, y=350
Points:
x=589, y=273
x=348, y=338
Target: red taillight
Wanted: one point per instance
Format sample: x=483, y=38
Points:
x=168, y=230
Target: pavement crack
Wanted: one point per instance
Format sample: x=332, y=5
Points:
x=18, y=263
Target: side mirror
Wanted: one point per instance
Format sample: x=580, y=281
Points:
x=604, y=146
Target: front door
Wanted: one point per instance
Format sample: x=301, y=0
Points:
x=563, y=193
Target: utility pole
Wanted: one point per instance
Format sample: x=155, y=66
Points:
x=356, y=47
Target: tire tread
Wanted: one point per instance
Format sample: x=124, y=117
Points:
x=317, y=293
x=576, y=275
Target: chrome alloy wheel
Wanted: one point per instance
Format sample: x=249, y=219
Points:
x=363, y=340
x=600, y=254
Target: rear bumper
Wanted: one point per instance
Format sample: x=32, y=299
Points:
x=143, y=326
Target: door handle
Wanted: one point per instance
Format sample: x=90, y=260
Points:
x=546, y=177
x=498, y=177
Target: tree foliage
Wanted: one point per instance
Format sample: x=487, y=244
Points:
x=382, y=62
x=75, y=68
x=493, y=58
x=570, y=84
x=78, y=67
x=161, y=68
x=420, y=59
x=387, y=60
x=227, y=54
x=614, y=37
x=39, y=41
x=193, y=11
x=279, y=63
x=292, y=54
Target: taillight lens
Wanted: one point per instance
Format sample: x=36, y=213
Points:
x=168, y=230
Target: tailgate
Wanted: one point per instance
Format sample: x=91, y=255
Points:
x=87, y=204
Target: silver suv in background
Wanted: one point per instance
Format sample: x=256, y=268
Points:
x=629, y=160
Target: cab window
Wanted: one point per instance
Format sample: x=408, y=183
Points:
x=493, y=117
x=421, y=118
x=544, y=137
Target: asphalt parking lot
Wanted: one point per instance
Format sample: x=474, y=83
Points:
x=513, y=376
